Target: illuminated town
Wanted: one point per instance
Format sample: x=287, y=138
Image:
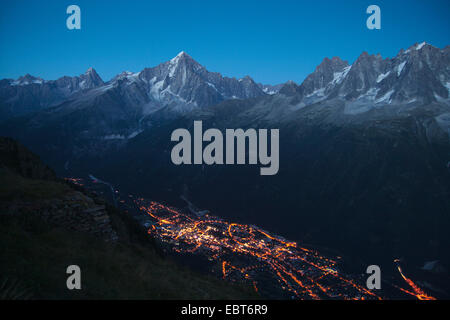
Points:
x=272, y=265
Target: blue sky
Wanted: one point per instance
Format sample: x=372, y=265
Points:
x=272, y=41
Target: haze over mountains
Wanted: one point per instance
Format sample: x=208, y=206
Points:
x=364, y=148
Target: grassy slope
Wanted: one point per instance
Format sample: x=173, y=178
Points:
x=14, y=186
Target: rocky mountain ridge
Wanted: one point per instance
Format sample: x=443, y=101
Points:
x=180, y=84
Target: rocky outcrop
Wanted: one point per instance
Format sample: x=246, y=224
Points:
x=74, y=211
x=16, y=157
x=62, y=206
x=77, y=212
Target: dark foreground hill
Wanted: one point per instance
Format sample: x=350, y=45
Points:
x=46, y=225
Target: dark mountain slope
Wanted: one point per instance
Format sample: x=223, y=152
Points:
x=30, y=94
x=376, y=187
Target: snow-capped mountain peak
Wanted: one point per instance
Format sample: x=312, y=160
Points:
x=420, y=46
x=419, y=74
x=26, y=80
x=180, y=55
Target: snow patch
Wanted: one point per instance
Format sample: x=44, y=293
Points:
x=339, y=76
x=386, y=98
x=134, y=134
x=319, y=92
x=83, y=84
x=447, y=85
x=24, y=83
x=268, y=91
x=369, y=95
x=400, y=68
x=382, y=76
x=443, y=121
x=129, y=75
x=114, y=137
x=420, y=46
x=212, y=86
x=155, y=90
x=121, y=136
x=173, y=63
x=105, y=88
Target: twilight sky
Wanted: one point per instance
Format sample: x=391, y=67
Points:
x=272, y=41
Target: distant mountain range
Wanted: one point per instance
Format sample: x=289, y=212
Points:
x=30, y=94
x=184, y=82
x=180, y=84
x=364, y=148
x=420, y=74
